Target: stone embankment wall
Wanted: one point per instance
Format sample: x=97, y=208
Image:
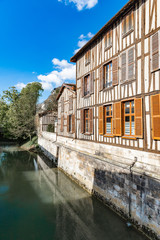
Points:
x=128, y=180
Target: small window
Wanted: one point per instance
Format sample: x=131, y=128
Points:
x=86, y=85
x=129, y=119
x=108, y=75
x=128, y=23
x=108, y=120
x=108, y=39
x=70, y=123
x=62, y=104
x=87, y=57
x=86, y=120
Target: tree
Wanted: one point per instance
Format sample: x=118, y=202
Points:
x=20, y=111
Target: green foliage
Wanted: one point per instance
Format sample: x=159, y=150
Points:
x=17, y=111
x=50, y=128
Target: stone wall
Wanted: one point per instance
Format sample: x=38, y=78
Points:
x=128, y=180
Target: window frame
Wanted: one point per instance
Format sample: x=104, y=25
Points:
x=110, y=75
x=86, y=119
x=106, y=117
x=130, y=114
x=128, y=19
x=88, y=77
x=108, y=39
x=87, y=57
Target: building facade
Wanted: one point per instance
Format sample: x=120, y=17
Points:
x=67, y=111
x=118, y=80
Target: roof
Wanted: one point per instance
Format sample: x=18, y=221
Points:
x=70, y=86
x=103, y=29
x=46, y=112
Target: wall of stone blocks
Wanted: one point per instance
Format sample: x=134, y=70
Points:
x=128, y=180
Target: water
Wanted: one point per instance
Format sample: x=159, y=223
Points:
x=38, y=202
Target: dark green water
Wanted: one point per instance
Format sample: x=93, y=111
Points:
x=38, y=202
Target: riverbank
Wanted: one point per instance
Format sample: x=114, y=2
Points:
x=126, y=180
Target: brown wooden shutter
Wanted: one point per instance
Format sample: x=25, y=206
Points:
x=138, y=117
x=73, y=123
x=132, y=18
x=117, y=119
x=123, y=69
x=62, y=120
x=91, y=120
x=68, y=123
x=155, y=51
x=89, y=56
x=115, y=71
x=155, y=110
x=82, y=87
x=92, y=82
x=101, y=123
x=101, y=78
x=131, y=63
x=82, y=121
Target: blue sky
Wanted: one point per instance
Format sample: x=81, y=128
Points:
x=39, y=37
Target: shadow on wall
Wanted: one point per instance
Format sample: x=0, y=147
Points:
x=137, y=195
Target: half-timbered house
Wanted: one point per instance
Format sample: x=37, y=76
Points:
x=67, y=110
x=118, y=80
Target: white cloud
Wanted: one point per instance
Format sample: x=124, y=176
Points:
x=83, y=40
x=81, y=4
x=19, y=86
x=64, y=71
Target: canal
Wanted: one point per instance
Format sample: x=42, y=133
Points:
x=39, y=202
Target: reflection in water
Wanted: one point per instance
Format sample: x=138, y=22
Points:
x=39, y=202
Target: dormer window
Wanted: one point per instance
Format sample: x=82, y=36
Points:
x=108, y=39
x=127, y=24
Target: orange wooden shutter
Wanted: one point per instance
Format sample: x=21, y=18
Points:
x=91, y=120
x=82, y=87
x=101, y=124
x=68, y=123
x=132, y=18
x=155, y=110
x=115, y=71
x=73, y=123
x=155, y=51
x=101, y=78
x=131, y=63
x=123, y=69
x=82, y=121
x=117, y=121
x=138, y=117
x=92, y=82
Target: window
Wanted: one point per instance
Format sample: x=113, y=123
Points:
x=86, y=85
x=70, y=123
x=108, y=75
x=127, y=23
x=108, y=39
x=87, y=57
x=86, y=120
x=108, y=120
x=129, y=120
x=128, y=65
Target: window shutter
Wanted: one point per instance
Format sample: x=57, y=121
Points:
x=91, y=120
x=101, y=124
x=73, y=123
x=62, y=104
x=71, y=103
x=101, y=78
x=132, y=18
x=92, y=82
x=82, y=121
x=123, y=60
x=131, y=63
x=117, y=121
x=62, y=119
x=89, y=56
x=82, y=87
x=115, y=71
x=67, y=123
x=155, y=52
x=155, y=111
x=138, y=118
